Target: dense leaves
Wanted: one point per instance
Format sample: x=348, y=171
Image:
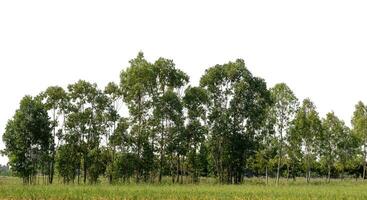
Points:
x=230, y=127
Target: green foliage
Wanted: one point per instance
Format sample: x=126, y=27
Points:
x=237, y=108
x=28, y=139
x=231, y=127
x=359, y=124
x=305, y=131
x=68, y=162
x=285, y=104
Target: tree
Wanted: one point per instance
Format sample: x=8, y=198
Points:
x=348, y=153
x=171, y=140
x=124, y=161
x=306, y=129
x=137, y=82
x=168, y=82
x=237, y=108
x=86, y=123
x=195, y=101
x=28, y=139
x=114, y=95
x=56, y=101
x=263, y=160
x=144, y=87
x=359, y=123
x=285, y=104
x=333, y=134
x=68, y=160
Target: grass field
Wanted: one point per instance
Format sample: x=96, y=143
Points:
x=12, y=188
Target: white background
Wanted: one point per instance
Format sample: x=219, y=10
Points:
x=318, y=48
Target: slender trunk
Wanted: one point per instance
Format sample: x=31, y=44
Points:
x=138, y=166
x=161, y=155
x=183, y=173
x=221, y=163
x=364, y=162
x=138, y=170
x=178, y=169
x=266, y=174
x=85, y=172
x=52, y=169
x=280, y=153
x=328, y=174
x=172, y=169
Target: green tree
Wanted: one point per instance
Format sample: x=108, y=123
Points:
x=137, y=82
x=86, y=123
x=114, y=95
x=359, y=123
x=168, y=82
x=237, y=108
x=68, y=159
x=124, y=162
x=28, y=139
x=306, y=130
x=348, y=153
x=285, y=104
x=195, y=101
x=56, y=101
x=333, y=134
x=171, y=140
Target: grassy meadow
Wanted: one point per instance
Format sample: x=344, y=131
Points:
x=12, y=188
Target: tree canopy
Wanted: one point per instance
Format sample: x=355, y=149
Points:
x=231, y=126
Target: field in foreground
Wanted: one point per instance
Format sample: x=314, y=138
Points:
x=11, y=188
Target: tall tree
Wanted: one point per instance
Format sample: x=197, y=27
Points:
x=348, y=153
x=168, y=81
x=137, y=82
x=28, y=139
x=85, y=123
x=124, y=161
x=359, y=123
x=56, y=101
x=238, y=103
x=333, y=134
x=195, y=101
x=172, y=139
x=285, y=104
x=114, y=95
x=307, y=125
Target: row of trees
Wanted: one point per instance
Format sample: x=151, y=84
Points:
x=230, y=127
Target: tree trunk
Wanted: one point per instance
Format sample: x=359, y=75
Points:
x=266, y=174
x=52, y=168
x=328, y=174
x=364, y=162
x=280, y=154
x=161, y=154
x=161, y=160
x=85, y=172
x=178, y=169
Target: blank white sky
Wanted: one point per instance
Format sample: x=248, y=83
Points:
x=318, y=47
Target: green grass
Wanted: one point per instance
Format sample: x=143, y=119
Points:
x=12, y=188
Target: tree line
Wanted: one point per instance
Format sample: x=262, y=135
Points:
x=229, y=127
